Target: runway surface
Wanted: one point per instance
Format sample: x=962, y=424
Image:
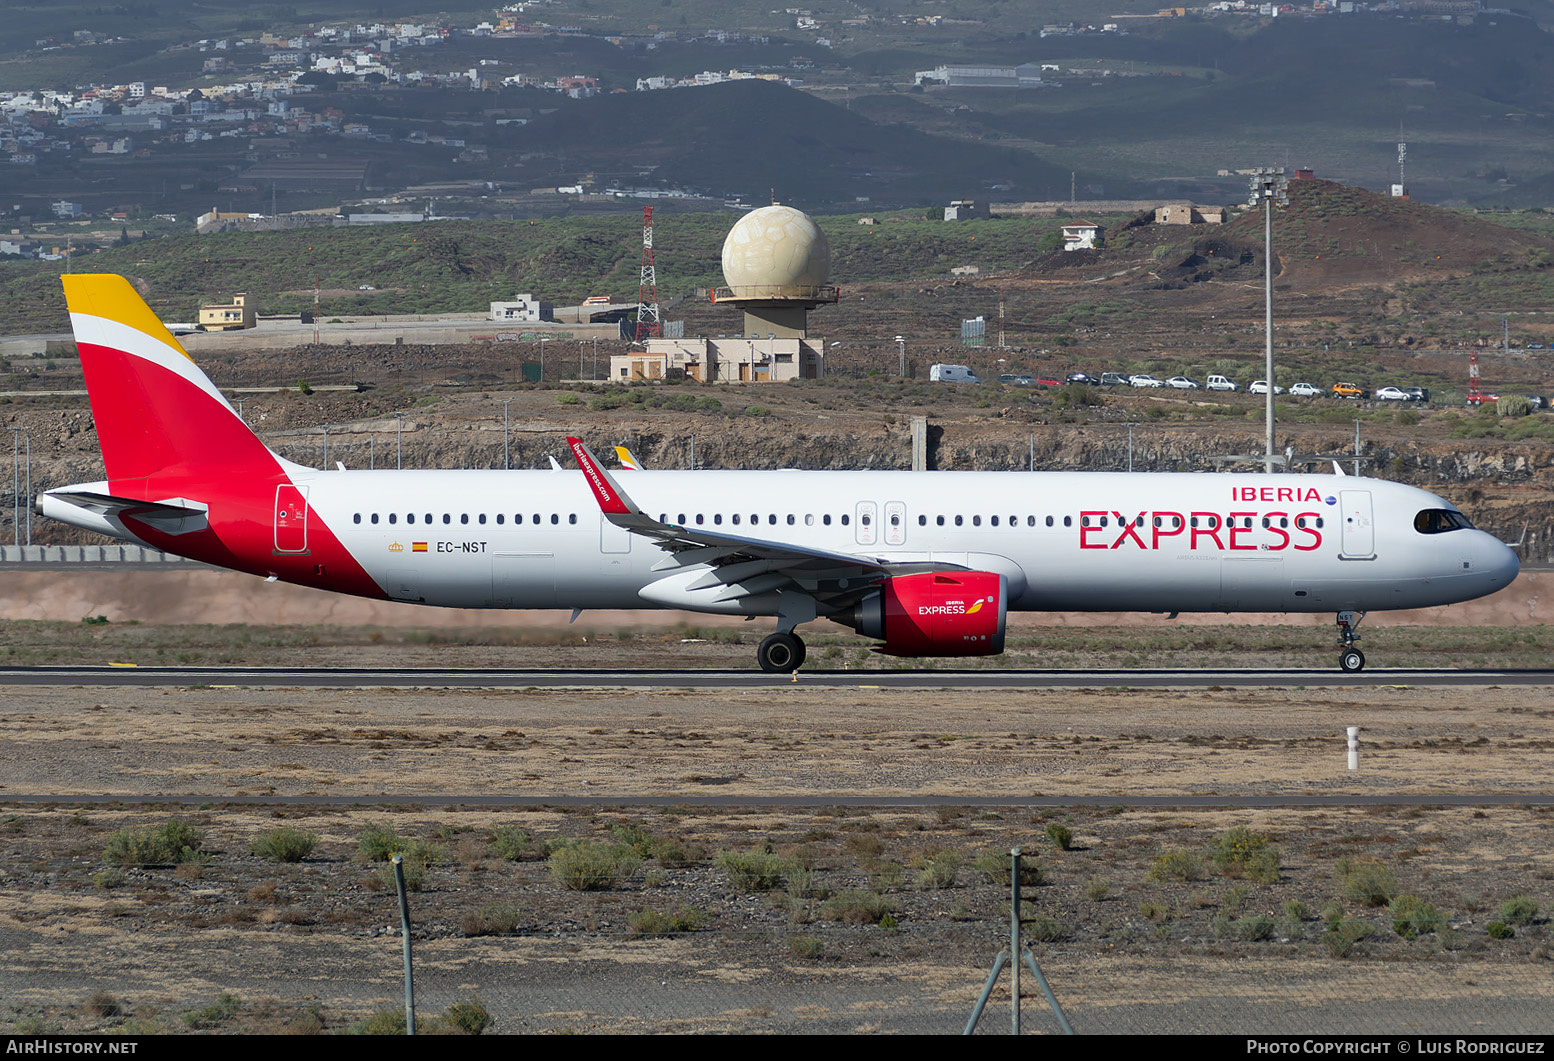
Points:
x=346, y=678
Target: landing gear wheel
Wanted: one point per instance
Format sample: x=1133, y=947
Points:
x=1351, y=660
x=780, y=653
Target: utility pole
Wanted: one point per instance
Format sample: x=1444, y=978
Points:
x=506, y=423
x=1269, y=184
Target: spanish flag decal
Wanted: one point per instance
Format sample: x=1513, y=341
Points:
x=418, y=547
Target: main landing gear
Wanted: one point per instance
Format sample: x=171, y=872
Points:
x=1351, y=660
x=780, y=653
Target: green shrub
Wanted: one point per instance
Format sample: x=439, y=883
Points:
x=1512, y=406
x=1343, y=935
x=509, y=842
x=1500, y=930
x=635, y=837
x=286, y=844
x=468, y=1016
x=1519, y=910
x=1365, y=880
x=651, y=922
x=492, y=919
x=1060, y=835
x=175, y=842
x=1176, y=866
x=994, y=865
x=1241, y=852
x=938, y=871
x=1044, y=928
x=857, y=908
x=753, y=871
x=590, y=866
x=1413, y=917
x=379, y=843
x=217, y=1013
x=383, y=1022
x=1254, y=927
x=807, y=947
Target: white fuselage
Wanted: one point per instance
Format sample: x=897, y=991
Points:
x=1065, y=540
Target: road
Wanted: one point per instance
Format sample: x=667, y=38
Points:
x=407, y=678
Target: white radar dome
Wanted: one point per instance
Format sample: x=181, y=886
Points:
x=776, y=248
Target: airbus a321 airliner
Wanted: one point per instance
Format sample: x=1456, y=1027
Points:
x=927, y=563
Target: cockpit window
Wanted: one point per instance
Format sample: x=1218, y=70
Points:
x=1440, y=520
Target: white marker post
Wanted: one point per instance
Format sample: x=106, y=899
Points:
x=1354, y=747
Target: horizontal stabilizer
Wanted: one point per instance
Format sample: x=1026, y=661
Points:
x=93, y=509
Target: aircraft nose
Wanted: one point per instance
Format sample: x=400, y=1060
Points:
x=1498, y=562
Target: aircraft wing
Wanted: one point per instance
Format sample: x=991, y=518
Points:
x=738, y=565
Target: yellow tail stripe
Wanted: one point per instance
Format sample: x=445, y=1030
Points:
x=110, y=296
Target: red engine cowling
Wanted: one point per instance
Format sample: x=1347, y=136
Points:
x=937, y=613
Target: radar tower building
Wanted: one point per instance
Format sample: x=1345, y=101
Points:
x=776, y=264
x=776, y=267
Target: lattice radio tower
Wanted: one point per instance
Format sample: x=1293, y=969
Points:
x=648, y=324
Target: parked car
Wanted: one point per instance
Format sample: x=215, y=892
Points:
x=1113, y=379
x=1079, y=377
x=1182, y=383
x=1260, y=386
x=1017, y=379
x=1349, y=390
x=1538, y=401
x=1144, y=381
x=1393, y=394
x=1221, y=383
x=1306, y=390
x=1048, y=381
x=1419, y=394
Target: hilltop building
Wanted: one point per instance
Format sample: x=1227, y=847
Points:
x=965, y=210
x=526, y=309
x=746, y=360
x=1082, y=236
x=1188, y=214
x=239, y=313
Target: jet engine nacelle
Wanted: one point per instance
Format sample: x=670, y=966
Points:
x=937, y=613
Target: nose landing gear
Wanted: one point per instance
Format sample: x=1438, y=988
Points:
x=1351, y=660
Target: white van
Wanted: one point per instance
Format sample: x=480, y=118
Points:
x=1221, y=383
x=951, y=374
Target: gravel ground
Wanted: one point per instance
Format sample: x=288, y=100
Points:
x=883, y=919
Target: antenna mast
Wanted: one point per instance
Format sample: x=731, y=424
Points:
x=648, y=324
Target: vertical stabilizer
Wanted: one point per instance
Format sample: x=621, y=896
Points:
x=155, y=411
